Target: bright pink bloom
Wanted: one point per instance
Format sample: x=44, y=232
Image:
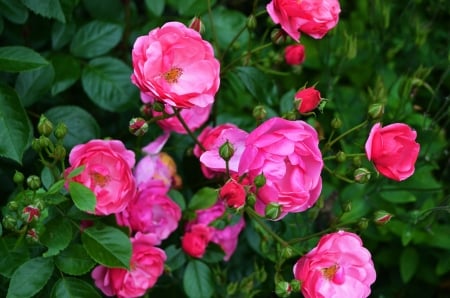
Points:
x=294, y=54
x=287, y=154
x=211, y=139
x=393, y=150
x=147, y=265
x=226, y=238
x=309, y=99
x=339, y=266
x=107, y=173
x=233, y=193
x=151, y=211
x=312, y=17
x=175, y=65
x=195, y=241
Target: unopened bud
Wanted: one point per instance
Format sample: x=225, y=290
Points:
x=251, y=200
x=146, y=110
x=59, y=153
x=278, y=36
x=376, y=110
x=296, y=285
x=32, y=235
x=291, y=115
x=347, y=207
x=36, y=145
x=272, y=211
x=287, y=252
x=138, y=126
x=33, y=182
x=226, y=151
x=44, y=142
x=158, y=106
x=341, y=156
x=361, y=175
x=45, y=127
x=283, y=289
x=232, y=288
x=9, y=222
x=18, y=178
x=259, y=112
x=251, y=22
x=30, y=213
x=197, y=24
x=260, y=180
x=357, y=161
x=382, y=217
x=336, y=123
x=60, y=131
x=363, y=223
x=12, y=205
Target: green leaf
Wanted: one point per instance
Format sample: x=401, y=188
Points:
x=190, y=8
x=203, y=198
x=81, y=126
x=398, y=197
x=32, y=85
x=107, y=83
x=105, y=9
x=214, y=253
x=11, y=256
x=46, y=8
x=74, y=260
x=255, y=82
x=15, y=130
x=178, y=198
x=197, y=280
x=57, y=235
x=409, y=260
x=18, y=58
x=75, y=172
x=56, y=187
x=95, y=38
x=30, y=278
x=62, y=34
x=69, y=287
x=82, y=196
x=14, y=11
x=108, y=246
x=175, y=257
x=67, y=72
x=156, y=7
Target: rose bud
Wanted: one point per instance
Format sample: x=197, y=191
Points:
x=233, y=194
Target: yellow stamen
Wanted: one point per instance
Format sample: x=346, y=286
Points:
x=173, y=75
x=329, y=272
x=99, y=179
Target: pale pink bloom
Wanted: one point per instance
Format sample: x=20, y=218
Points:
x=393, y=150
x=107, y=173
x=151, y=211
x=226, y=238
x=312, y=17
x=294, y=54
x=211, y=139
x=338, y=267
x=173, y=64
x=196, y=239
x=193, y=117
x=287, y=154
x=147, y=265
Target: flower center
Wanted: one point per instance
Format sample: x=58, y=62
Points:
x=173, y=75
x=329, y=272
x=99, y=179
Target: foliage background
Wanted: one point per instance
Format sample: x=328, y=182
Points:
x=395, y=53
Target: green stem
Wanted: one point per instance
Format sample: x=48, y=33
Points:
x=185, y=126
x=213, y=29
x=347, y=155
x=337, y=175
x=257, y=49
x=263, y=225
x=338, y=138
x=235, y=38
x=297, y=240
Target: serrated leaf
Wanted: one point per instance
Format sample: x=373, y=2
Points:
x=11, y=256
x=409, y=260
x=82, y=196
x=15, y=131
x=14, y=11
x=95, y=38
x=74, y=260
x=107, y=82
x=62, y=34
x=156, y=7
x=18, y=58
x=203, y=198
x=108, y=246
x=46, y=8
x=69, y=287
x=67, y=72
x=36, y=272
x=33, y=84
x=197, y=280
x=81, y=126
x=57, y=235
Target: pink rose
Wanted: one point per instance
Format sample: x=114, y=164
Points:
x=147, y=264
x=309, y=99
x=312, y=17
x=233, y=193
x=211, y=139
x=287, y=154
x=194, y=117
x=107, y=173
x=196, y=239
x=294, y=54
x=393, y=150
x=151, y=211
x=175, y=65
x=339, y=266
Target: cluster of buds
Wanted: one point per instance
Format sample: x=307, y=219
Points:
x=44, y=142
x=285, y=289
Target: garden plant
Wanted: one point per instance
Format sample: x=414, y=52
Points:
x=223, y=148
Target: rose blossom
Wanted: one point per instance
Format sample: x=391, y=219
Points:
x=287, y=154
x=107, y=173
x=211, y=139
x=175, y=65
x=147, y=264
x=308, y=98
x=233, y=193
x=393, y=150
x=196, y=239
x=151, y=211
x=294, y=54
x=339, y=266
x=312, y=17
